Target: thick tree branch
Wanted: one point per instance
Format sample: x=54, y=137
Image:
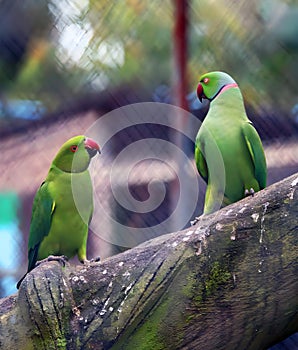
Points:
x=230, y=282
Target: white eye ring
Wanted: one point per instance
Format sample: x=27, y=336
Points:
x=205, y=80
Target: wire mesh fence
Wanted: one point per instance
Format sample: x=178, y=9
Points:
x=69, y=67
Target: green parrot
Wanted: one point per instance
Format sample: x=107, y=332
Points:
x=228, y=151
x=63, y=205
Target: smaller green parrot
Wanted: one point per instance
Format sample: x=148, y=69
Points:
x=63, y=205
x=228, y=152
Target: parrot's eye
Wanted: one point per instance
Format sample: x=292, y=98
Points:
x=74, y=148
x=206, y=80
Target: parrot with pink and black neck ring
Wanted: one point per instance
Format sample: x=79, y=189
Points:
x=228, y=151
x=63, y=205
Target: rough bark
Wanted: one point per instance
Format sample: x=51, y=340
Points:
x=229, y=282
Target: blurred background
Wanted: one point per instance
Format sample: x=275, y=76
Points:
x=66, y=63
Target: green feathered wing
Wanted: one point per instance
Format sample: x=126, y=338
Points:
x=256, y=151
x=42, y=213
x=201, y=162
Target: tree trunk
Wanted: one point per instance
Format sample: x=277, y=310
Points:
x=229, y=282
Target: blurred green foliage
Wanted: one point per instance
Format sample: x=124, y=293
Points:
x=255, y=41
x=73, y=47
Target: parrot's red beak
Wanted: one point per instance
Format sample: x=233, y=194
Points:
x=91, y=147
x=200, y=92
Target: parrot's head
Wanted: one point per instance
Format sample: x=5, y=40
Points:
x=212, y=83
x=75, y=154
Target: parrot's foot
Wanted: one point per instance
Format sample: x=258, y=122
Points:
x=193, y=222
x=249, y=192
x=93, y=260
x=61, y=259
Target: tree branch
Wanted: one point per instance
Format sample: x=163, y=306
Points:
x=230, y=282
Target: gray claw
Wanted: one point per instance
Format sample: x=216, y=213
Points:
x=95, y=259
x=61, y=259
x=193, y=222
x=87, y=262
x=249, y=192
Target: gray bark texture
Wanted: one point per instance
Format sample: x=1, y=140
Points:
x=229, y=282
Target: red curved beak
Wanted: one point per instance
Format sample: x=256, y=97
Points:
x=200, y=92
x=91, y=146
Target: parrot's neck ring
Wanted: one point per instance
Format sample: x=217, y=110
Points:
x=223, y=89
